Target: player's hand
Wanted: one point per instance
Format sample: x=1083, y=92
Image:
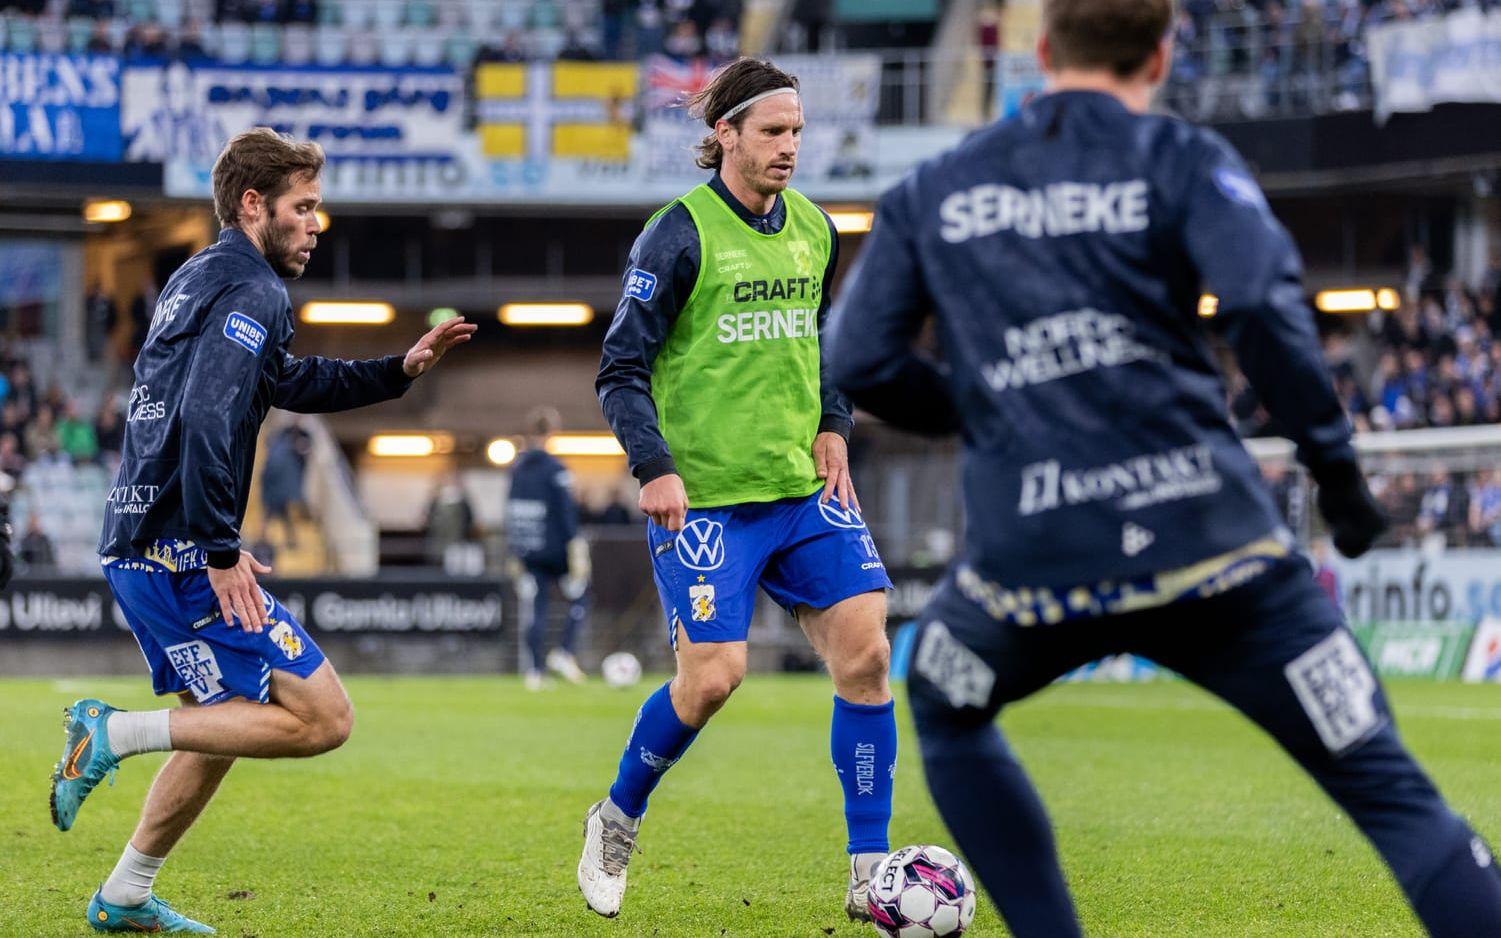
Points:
x=431, y=347
x=665, y=501
x=831, y=456
x=1355, y=520
x=239, y=595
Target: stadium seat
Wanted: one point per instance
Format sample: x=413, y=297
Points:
x=80, y=30
x=331, y=45
x=479, y=14
x=359, y=14
x=363, y=49
x=234, y=42
x=265, y=43
x=140, y=11
x=296, y=44
x=461, y=50
x=421, y=14
x=21, y=35
x=388, y=14
x=51, y=36
x=428, y=48
x=396, y=49
x=511, y=14
x=170, y=13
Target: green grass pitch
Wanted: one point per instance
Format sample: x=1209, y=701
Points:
x=455, y=810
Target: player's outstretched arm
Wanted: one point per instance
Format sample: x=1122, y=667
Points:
x=317, y=385
x=876, y=318
x=1247, y=259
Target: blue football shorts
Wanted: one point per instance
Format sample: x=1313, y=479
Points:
x=801, y=551
x=189, y=647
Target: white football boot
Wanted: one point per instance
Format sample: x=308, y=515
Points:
x=565, y=665
x=609, y=838
x=857, y=899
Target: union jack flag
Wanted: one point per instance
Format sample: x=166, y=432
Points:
x=669, y=82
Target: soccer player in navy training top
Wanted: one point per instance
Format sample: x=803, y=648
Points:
x=1112, y=507
x=251, y=680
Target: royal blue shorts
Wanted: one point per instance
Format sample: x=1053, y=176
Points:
x=177, y=623
x=801, y=551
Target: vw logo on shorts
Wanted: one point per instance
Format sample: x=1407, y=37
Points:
x=840, y=516
x=700, y=545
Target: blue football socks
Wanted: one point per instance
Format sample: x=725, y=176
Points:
x=658, y=740
x=862, y=742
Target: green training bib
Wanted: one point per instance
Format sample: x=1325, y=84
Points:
x=737, y=382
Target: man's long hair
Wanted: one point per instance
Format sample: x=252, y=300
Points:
x=737, y=82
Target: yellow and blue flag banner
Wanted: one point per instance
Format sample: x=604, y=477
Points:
x=560, y=110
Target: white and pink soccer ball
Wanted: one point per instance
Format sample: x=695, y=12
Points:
x=921, y=892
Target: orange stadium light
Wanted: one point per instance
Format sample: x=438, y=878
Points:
x=1388, y=299
x=1361, y=300
x=1209, y=304
x=546, y=314
x=410, y=445
x=106, y=210
x=501, y=452
x=341, y=313
x=584, y=444
x=323, y=220
x=852, y=222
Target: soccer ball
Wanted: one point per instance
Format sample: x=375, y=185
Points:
x=921, y=892
x=620, y=669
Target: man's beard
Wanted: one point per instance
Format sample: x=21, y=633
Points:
x=277, y=245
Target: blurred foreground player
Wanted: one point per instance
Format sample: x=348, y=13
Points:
x=542, y=534
x=251, y=680
x=712, y=378
x=1112, y=507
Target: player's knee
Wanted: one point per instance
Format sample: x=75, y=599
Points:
x=867, y=664
x=707, y=690
x=331, y=728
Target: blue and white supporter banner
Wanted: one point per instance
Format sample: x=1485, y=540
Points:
x=59, y=107
x=182, y=115
x=1451, y=59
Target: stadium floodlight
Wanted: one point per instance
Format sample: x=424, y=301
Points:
x=584, y=444
x=323, y=219
x=852, y=222
x=410, y=444
x=1388, y=299
x=106, y=210
x=1209, y=304
x=344, y=313
x=501, y=452
x=1361, y=300
x=546, y=314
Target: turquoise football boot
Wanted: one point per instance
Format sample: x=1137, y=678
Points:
x=152, y=915
x=86, y=760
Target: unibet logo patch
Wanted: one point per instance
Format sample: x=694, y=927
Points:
x=245, y=332
x=640, y=285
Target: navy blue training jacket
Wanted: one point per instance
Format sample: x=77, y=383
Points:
x=1063, y=253
x=215, y=361
x=669, y=250
x=541, y=515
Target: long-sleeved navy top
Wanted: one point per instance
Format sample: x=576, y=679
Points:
x=541, y=513
x=215, y=361
x=669, y=250
x=1063, y=253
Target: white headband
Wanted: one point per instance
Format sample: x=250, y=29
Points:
x=752, y=100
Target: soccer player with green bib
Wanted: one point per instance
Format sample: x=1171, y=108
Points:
x=713, y=379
